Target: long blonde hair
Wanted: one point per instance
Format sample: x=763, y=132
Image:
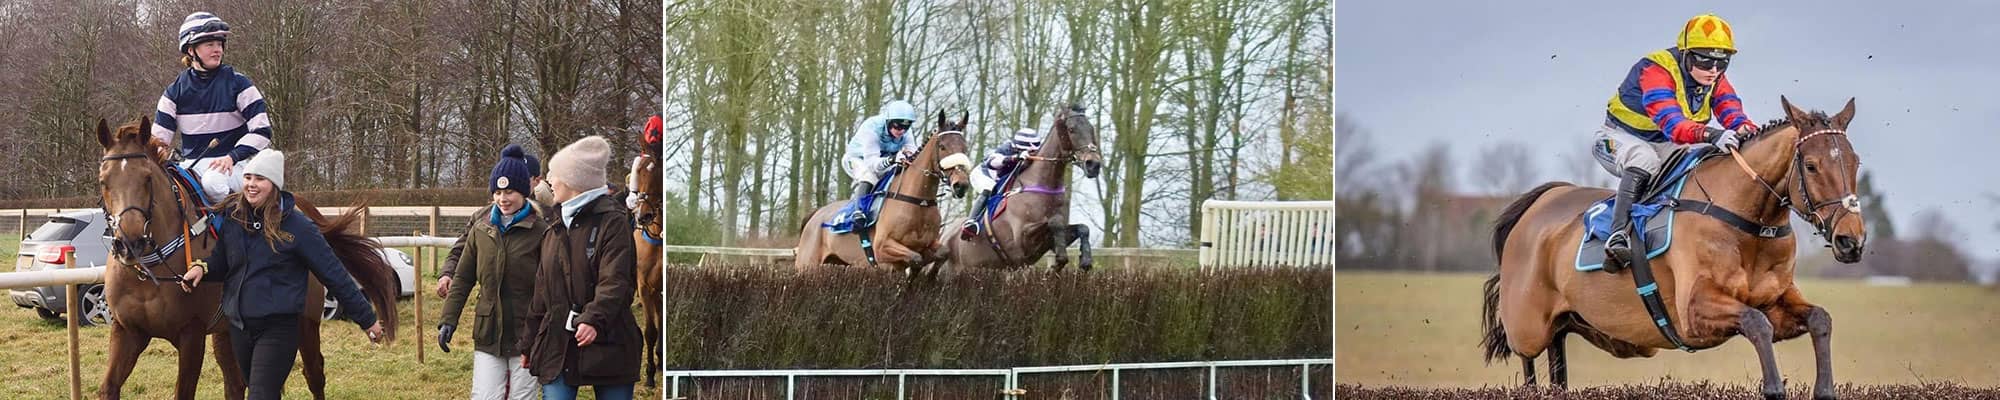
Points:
x=240, y=210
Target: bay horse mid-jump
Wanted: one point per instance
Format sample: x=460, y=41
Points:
x=1716, y=282
x=1036, y=220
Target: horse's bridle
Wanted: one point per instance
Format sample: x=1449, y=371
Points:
x=1069, y=155
x=644, y=222
x=1823, y=227
x=947, y=163
x=144, y=255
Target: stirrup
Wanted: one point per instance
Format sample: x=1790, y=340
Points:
x=1617, y=250
x=969, y=230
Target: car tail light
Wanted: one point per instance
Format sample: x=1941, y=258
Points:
x=58, y=257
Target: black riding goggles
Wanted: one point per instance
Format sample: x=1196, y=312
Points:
x=902, y=124
x=1699, y=61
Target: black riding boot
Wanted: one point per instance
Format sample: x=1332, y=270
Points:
x=1619, y=248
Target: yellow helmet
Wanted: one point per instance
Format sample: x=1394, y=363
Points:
x=1708, y=31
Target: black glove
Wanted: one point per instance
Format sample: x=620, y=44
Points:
x=444, y=336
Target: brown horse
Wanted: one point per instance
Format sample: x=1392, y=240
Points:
x=646, y=236
x=156, y=236
x=1037, y=217
x=1717, y=282
x=905, y=233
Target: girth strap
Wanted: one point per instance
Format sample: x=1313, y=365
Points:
x=1736, y=221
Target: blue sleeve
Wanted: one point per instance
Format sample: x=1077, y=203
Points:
x=319, y=257
x=251, y=105
x=218, y=260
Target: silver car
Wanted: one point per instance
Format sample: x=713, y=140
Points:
x=75, y=239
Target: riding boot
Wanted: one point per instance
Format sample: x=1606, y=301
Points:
x=1618, y=248
x=972, y=225
x=861, y=189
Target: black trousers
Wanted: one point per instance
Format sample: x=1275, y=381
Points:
x=265, y=349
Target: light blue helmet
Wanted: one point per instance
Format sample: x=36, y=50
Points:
x=899, y=109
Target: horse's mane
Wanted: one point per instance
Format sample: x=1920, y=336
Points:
x=1786, y=122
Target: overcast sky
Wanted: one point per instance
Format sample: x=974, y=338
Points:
x=1475, y=73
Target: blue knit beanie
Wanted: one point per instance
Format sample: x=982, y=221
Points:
x=511, y=172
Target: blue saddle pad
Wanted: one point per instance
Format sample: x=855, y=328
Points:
x=869, y=203
x=1654, y=214
x=192, y=185
x=1000, y=192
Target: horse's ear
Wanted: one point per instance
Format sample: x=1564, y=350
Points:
x=941, y=119
x=1846, y=115
x=1791, y=113
x=103, y=134
x=963, y=118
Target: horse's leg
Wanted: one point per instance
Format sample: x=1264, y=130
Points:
x=1558, y=365
x=1527, y=371
x=313, y=362
x=1081, y=234
x=1792, y=317
x=1756, y=327
x=1821, y=325
x=1060, y=238
x=225, y=359
x=124, y=354
x=189, y=346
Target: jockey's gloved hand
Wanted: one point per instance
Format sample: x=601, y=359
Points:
x=1725, y=139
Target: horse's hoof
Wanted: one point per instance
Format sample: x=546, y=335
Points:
x=1779, y=395
x=1824, y=395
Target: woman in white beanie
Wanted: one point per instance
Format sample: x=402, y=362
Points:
x=265, y=251
x=581, y=314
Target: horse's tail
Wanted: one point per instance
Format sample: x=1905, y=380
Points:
x=1512, y=214
x=1495, y=341
x=359, y=254
x=1495, y=336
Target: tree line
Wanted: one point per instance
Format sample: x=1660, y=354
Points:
x=393, y=94
x=1193, y=100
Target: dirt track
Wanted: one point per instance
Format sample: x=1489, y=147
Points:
x=1668, y=390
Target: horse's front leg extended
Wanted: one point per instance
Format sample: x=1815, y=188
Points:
x=1081, y=234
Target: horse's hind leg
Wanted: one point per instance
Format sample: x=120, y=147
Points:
x=225, y=359
x=313, y=363
x=189, y=346
x=1558, y=365
x=1527, y=371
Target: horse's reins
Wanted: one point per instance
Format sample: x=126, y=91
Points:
x=950, y=162
x=1822, y=226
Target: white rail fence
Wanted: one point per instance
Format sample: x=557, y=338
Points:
x=1010, y=378
x=73, y=278
x=1266, y=233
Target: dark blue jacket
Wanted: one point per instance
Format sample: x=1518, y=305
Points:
x=262, y=283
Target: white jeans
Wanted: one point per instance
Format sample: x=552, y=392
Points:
x=1616, y=150
x=496, y=379
x=216, y=183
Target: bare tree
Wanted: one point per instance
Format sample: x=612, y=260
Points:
x=1506, y=168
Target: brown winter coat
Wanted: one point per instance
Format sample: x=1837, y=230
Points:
x=603, y=299
x=503, y=267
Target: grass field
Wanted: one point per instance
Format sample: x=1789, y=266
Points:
x=34, y=353
x=1423, y=331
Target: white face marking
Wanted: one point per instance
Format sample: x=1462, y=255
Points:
x=121, y=164
x=1836, y=154
x=1852, y=203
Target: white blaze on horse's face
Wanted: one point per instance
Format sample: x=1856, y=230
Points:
x=1851, y=202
